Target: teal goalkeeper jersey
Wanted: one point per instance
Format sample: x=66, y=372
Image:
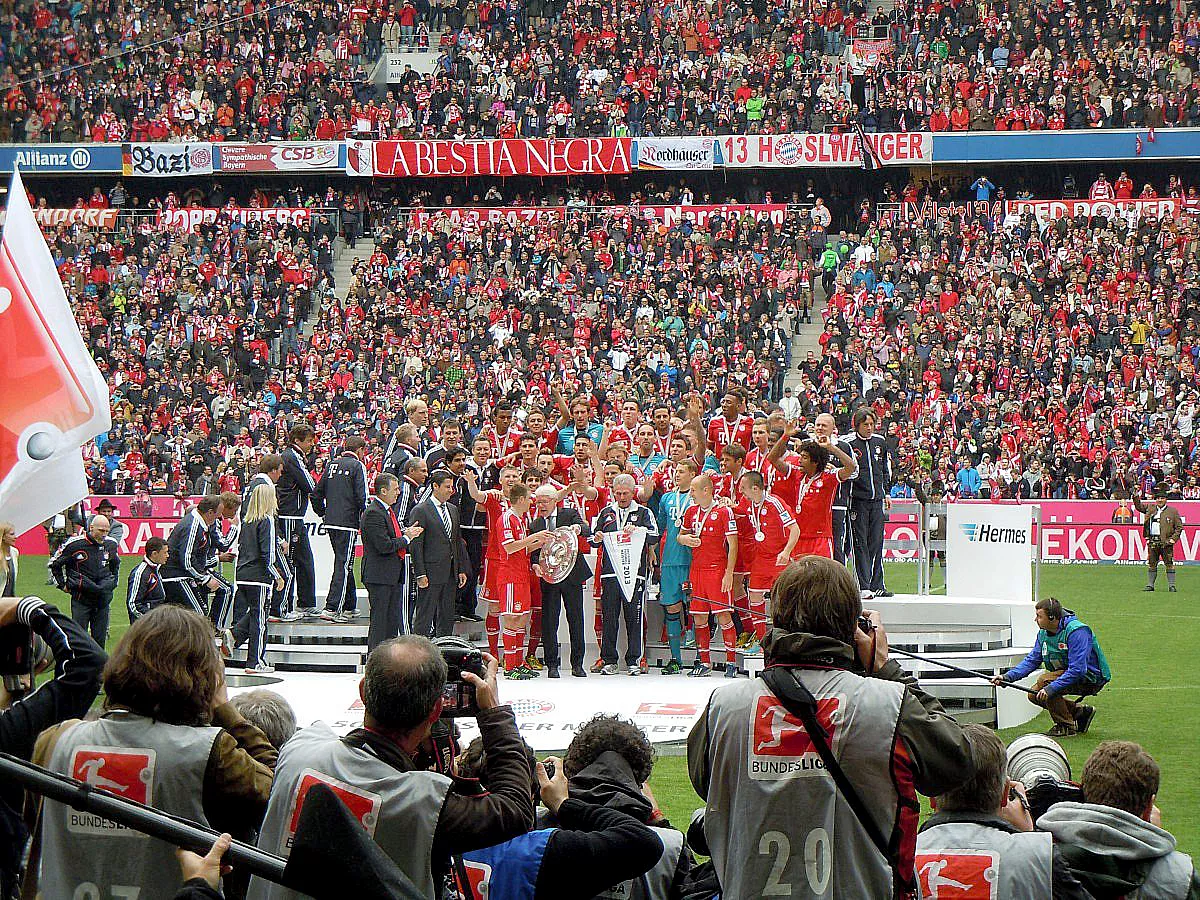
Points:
x=670, y=514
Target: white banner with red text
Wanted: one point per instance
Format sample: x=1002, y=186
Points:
x=669, y=215
x=190, y=219
x=1131, y=211
x=799, y=151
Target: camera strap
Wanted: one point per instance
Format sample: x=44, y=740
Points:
x=799, y=701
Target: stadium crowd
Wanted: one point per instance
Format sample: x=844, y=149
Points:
x=960, y=333
x=555, y=68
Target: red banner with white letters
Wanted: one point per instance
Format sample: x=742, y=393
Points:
x=518, y=156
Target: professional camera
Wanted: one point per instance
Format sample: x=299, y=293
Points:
x=1039, y=763
x=458, y=696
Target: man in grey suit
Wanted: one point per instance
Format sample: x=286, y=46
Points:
x=437, y=558
x=568, y=592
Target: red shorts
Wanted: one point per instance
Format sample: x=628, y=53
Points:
x=815, y=546
x=764, y=572
x=707, y=595
x=513, y=594
x=490, y=590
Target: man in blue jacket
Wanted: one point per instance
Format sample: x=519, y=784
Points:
x=1074, y=664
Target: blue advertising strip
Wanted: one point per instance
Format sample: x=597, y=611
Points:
x=63, y=159
x=1066, y=146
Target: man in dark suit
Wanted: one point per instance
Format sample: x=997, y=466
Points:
x=437, y=559
x=569, y=591
x=384, y=546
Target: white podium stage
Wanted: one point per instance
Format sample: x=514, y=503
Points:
x=988, y=636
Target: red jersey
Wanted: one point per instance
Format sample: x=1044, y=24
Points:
x=587, y=509
x=503, y=445
x=786, y=487
x=725, y=486
x=722, y=433
x=771, y=519
x=619, y=435
x=664, y=477
x=814, y=509
x=495, y=506
x=513, y=528
x=662, y=443
x=714, y=527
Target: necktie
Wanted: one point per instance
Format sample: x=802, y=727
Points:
x=396, y=529
x=550, y=522
x=441, y=508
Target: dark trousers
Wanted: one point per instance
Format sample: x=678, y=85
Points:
x=220, y=606
x=343, y=592
x=434, y=609
x=468, y=597
x=1062, y=710
x=866, y=521
x=614, y=608
x=252, y=623
x=91, y=614
x=840, y=542
x=385, y=613
x=301, y=588
x=554, y=598
x=185, y=593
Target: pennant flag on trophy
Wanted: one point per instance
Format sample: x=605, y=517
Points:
x=54, y=400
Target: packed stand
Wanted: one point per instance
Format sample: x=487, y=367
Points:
x=1006, y=360
x=192, y=329
x=554, y=68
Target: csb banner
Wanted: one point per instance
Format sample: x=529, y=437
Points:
x=480, y=215
x=989, y=550
x=694, y=154
x=167, y=160
x=796, y=151
x=409, y=159
x=298, y=156
x=190, y=219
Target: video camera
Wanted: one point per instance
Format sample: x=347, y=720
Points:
x=458, y=695
x=1039, y=763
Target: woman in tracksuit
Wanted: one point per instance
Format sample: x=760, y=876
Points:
x=260, y=568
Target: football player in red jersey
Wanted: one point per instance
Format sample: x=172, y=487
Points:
x=513, y=577
x=729, y=493
x=494, y=503
x=775, y=534
x=816, y=492
x=731, y=426
x=709, y=529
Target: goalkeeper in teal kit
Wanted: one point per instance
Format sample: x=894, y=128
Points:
x=676, y=561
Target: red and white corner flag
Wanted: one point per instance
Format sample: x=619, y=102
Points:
x=53, y=398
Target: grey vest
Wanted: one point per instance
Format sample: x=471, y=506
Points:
x=161, y=765
x=1170, y=878
x=655, y=884
x=776, y=822
x=399, y=810
x=1013, y=866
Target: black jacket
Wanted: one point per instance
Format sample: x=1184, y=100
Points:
x=78, y=661
x=145, y=590
x=874, y=478
x=341, y=494
x=381, y=561
x=188, y=550
x=296, y=484
x=259, y=560
x=436, y=555
x=1064, y=884
x=609, y=783
x=565, y=517
x=84, y=568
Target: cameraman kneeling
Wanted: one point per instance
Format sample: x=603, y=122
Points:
x=77, y=664
x=419, y=820
x=1115, y=840
x=981, y=836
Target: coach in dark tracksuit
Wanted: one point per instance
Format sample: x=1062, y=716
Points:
x=868, y=499
x=340, y=498
x=293, y=490
x=86, y=567
x=185, y=574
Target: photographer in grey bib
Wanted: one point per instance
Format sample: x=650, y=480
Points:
x=811, y=784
